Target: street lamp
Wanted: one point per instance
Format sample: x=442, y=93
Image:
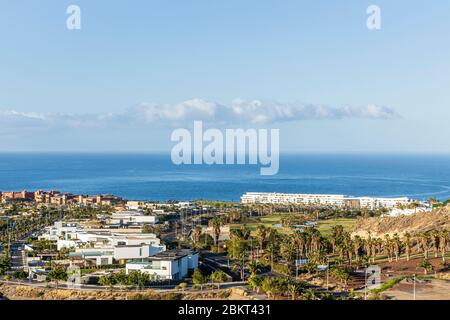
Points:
x=365, y=284
x=328, y=267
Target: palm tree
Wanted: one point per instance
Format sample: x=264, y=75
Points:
x=397, y=244
x=261, y=235
x=423, y=238
x=316, y=239
x=269, y=286
x=216, y=224
x=253, y=267
x=426, y=265
x=243, y=233
x=347, y=247
x=435, y=237
x=407, y=242
x=443, y=239
x=357, y=243
x=196, y=233
x=293, y=289
x=237, y=251
x=378, y=246
x=234, y=216
x=388, y=247
x=272, y=238
x=336, y=236
x=255, y=282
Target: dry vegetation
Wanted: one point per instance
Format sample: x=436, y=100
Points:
x=15, y=292
x=414, y=224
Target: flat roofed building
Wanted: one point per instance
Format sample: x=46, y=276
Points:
x=131, y=218
x=322, y=200
x=291, y=198
x=168, y=265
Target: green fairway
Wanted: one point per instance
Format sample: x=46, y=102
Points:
x=324, y=226
x=268, y=221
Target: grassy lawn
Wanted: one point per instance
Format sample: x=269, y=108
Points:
x=268, y=221
x=324, y=225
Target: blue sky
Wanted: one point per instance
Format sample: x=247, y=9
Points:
x=89, y=89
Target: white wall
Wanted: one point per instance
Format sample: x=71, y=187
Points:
x=131, y=252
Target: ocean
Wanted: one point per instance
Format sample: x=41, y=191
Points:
x=154, y=177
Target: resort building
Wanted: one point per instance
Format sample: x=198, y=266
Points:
x=287, y=198
x=131, y=218
x=323, y=200
x=16, y=196
x=375, y=203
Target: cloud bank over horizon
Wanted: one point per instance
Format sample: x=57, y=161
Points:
x=238, y=112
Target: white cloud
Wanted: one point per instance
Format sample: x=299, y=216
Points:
x=239, y=112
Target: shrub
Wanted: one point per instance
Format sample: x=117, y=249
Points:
x=282, y=268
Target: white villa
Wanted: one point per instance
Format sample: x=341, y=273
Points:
x=103, y=246
x=168, y=265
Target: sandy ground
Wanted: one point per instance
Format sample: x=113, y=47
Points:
x=411, y=267
x=431, y=290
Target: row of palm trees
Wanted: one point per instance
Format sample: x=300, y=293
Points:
x=270, y=245
x=312, y=244
x=313, y=210
x=391, y=246
x=29, y=219
x=19, y=227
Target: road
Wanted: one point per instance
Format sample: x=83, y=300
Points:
x=219, y=261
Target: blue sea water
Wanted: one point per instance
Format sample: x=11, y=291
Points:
x=154, y=177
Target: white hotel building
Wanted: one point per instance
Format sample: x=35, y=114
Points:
x=322, y=200
x=290, y=198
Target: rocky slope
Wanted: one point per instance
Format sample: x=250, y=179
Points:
x=416, y=223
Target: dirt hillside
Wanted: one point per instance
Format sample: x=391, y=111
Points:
x=416, y=223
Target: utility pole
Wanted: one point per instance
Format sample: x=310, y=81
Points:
x=9, y=235
x=414, y=286
x=328, y=267
x=365, y=284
